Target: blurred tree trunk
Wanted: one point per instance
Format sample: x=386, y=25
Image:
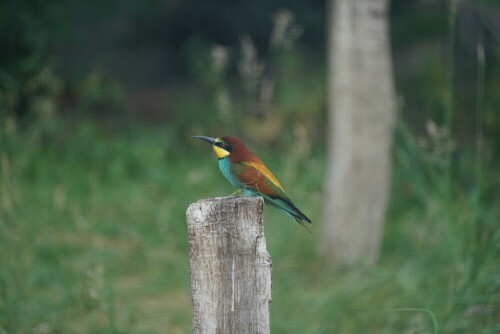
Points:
x=362, y=113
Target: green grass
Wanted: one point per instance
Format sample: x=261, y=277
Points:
x=93, y=240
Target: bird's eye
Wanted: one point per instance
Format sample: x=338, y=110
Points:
x=222, y=145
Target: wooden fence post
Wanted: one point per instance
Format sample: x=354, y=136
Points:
x=229, y=266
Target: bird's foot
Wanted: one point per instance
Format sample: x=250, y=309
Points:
x=236, y=192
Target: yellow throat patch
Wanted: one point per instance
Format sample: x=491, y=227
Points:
x=220, y=152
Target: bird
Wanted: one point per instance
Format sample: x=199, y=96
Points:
x=246, y=172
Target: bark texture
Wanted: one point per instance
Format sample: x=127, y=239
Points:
x=229, y=266
x=362, y=114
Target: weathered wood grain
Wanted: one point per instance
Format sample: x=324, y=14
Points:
x=229, y=265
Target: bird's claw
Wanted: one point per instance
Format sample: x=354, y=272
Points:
x=237, y=191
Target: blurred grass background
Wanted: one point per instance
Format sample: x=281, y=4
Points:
x=98, y=103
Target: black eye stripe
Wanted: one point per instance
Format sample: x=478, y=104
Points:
x=224, y=146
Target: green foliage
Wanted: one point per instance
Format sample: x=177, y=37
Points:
x=92, y=239
x=28, y=33
x=98, y=91
x=408, y=28
x=27, y=30
x=264, y=97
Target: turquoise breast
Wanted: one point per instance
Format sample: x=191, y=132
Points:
x=225, y=168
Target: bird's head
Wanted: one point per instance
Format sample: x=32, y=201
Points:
x=222, y=146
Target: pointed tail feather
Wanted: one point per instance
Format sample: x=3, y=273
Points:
x=285, y=205
x=290, y=207
x=298, y=220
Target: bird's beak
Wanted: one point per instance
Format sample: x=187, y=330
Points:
x=207, y=139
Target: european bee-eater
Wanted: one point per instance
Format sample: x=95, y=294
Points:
x=248, y=173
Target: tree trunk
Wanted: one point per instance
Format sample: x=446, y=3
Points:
x=362, y=113
x=229, y=266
